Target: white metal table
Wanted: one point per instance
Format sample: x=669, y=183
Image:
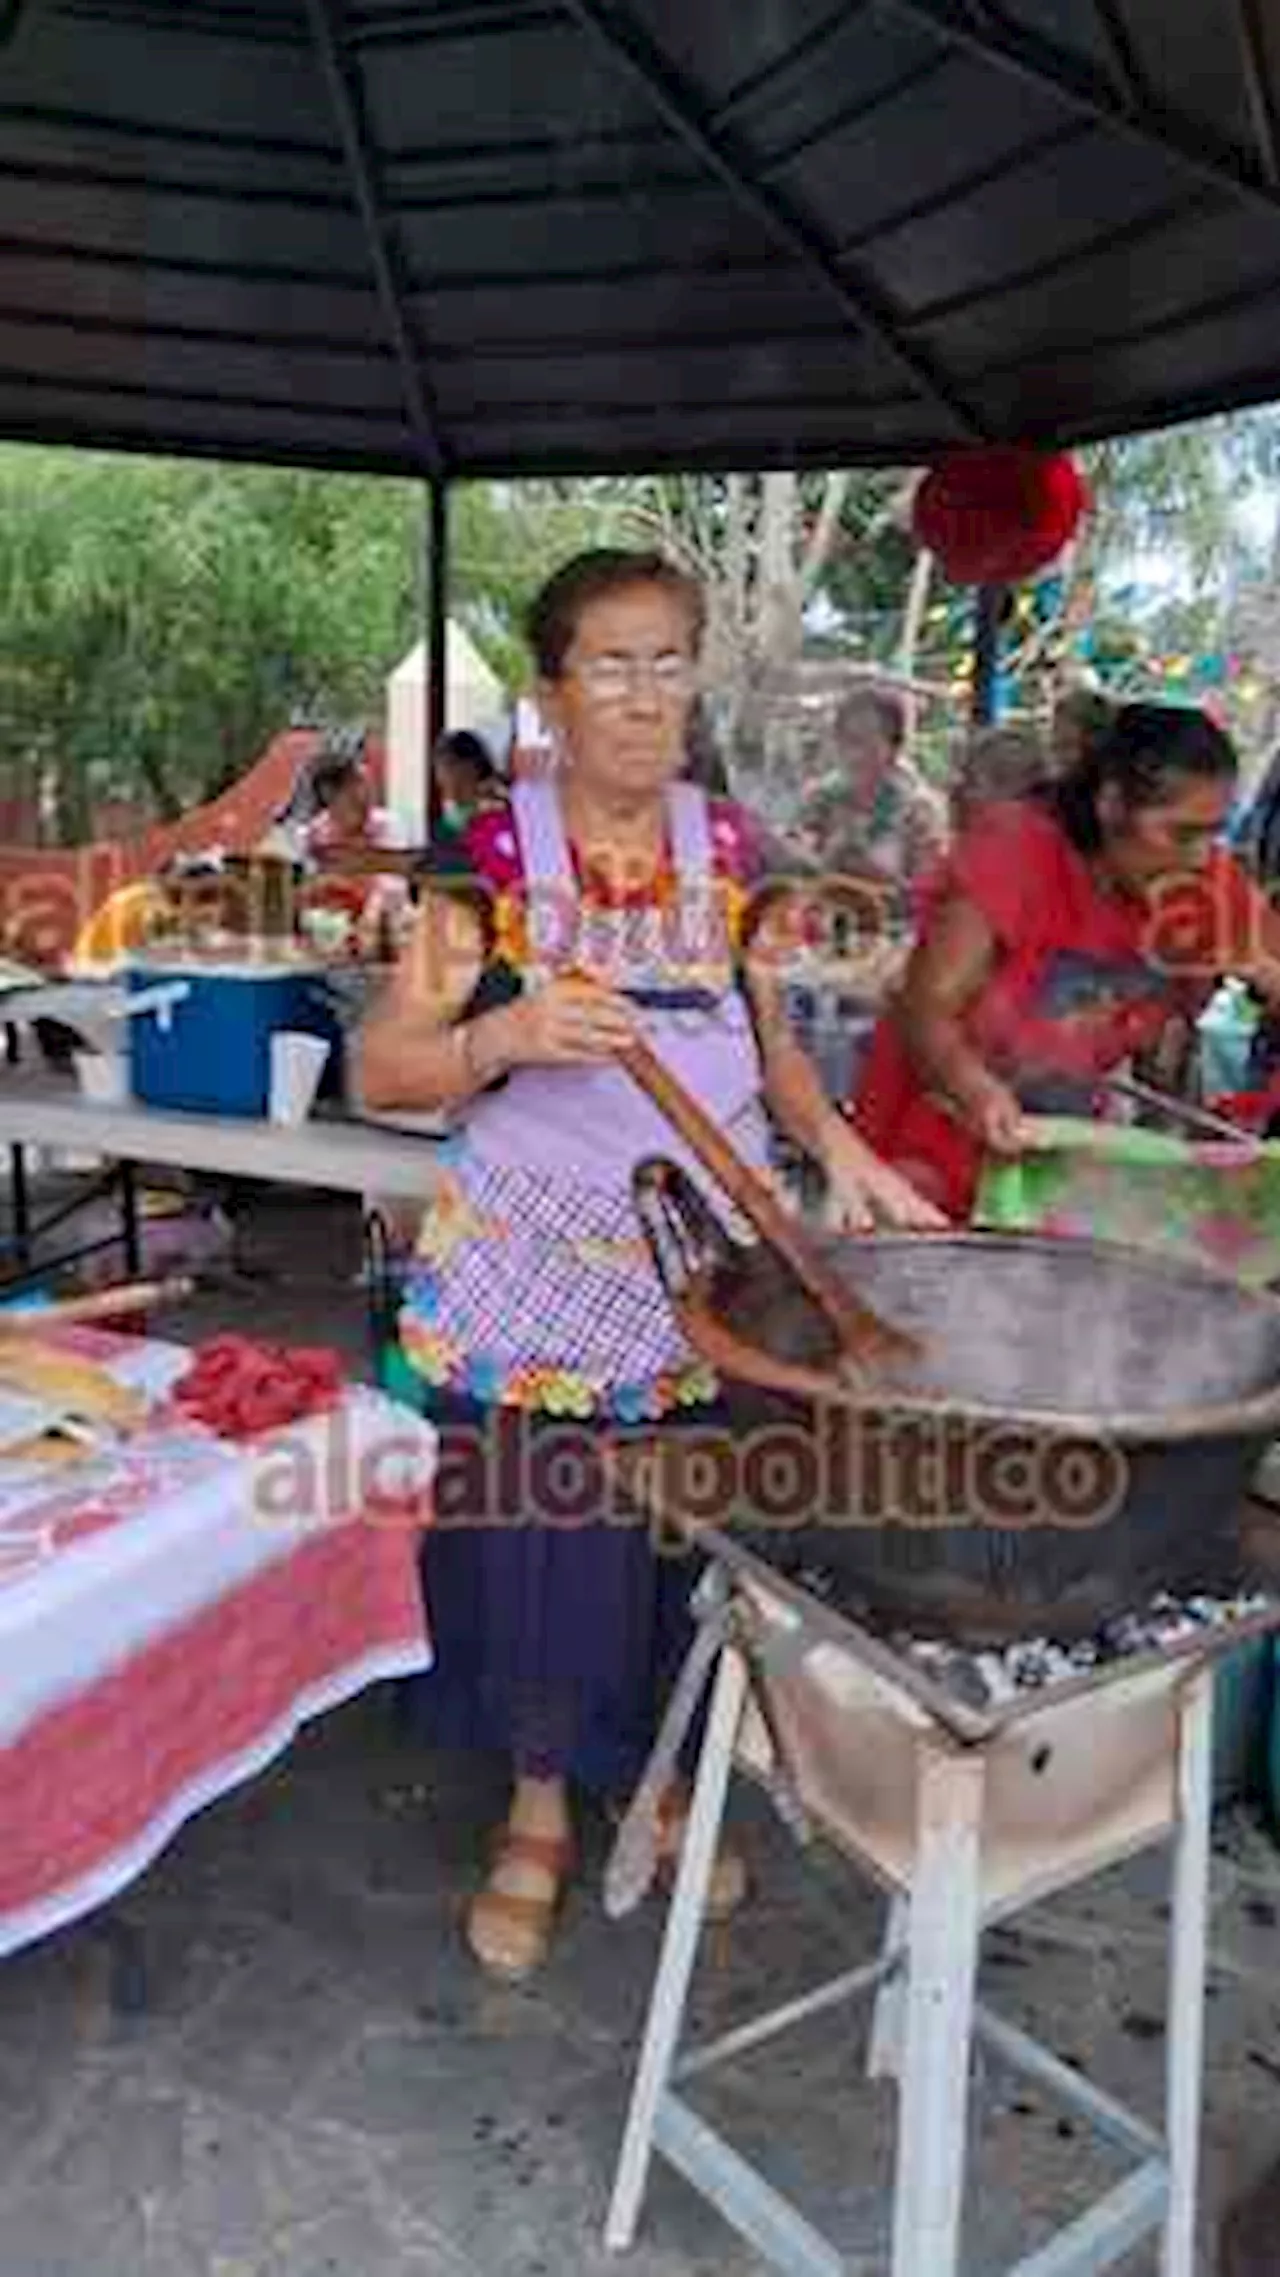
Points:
x=329, y=1152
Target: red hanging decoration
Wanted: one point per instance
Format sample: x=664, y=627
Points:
x=994, y=516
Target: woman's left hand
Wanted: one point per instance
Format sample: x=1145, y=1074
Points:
x=862, y=1190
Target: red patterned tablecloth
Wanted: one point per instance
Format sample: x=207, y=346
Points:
x=165, y=1630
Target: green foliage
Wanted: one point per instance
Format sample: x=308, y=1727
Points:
x=505, y=540
x=865, y=578
x=1172, y=493
x=1174, y=500
x=159, y=621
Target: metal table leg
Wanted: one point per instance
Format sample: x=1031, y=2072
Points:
x=942, y=1965
x=679, y=1948
x=128, y=1990
x=21, y=1203
x=888, y=2017
x=1188, y=1946
x=129, y=1220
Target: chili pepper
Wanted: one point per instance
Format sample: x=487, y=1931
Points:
x=238, y=1388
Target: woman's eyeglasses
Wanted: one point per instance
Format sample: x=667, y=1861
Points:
x=615, y=679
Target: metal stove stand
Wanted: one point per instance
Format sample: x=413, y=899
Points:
x=964, y=1820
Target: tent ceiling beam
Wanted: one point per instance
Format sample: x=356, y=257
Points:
x=346, y=98
x=861, y=303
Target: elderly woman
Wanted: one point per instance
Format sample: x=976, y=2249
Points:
x=605, y=902
x=874, y=816
x=1070, y=931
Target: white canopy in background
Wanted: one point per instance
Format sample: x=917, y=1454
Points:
x=474, y=698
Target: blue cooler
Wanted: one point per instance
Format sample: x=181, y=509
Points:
x=203, y=1046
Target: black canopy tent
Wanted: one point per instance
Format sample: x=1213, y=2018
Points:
x=457, y=238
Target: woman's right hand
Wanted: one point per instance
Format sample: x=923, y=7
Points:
x=567, y=1023
x=994, y=1115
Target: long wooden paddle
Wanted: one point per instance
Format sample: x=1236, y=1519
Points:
x=103, y=1304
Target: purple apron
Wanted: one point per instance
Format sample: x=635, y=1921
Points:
x=533, y=1286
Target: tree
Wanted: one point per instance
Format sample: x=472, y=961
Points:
x=506, y=540
x=792, y=564
x=159, y=621
x=1169, y=503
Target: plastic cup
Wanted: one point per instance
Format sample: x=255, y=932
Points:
x=104, y=1077
x=297, y=1064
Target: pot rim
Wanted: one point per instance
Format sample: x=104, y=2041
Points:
x=1257, y=1414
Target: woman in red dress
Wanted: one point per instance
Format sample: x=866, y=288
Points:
x=1065, y=933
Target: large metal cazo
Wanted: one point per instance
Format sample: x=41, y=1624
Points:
x=1046, y=1354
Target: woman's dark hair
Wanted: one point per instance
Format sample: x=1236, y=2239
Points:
x=469, y=750
x=330, y=777
x=1147, y=752
x=597, y=576
x=882, y=708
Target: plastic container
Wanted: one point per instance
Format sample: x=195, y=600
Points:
x=1226, y=1031
x=835, y=1029
x=298, y=1062
x=104, y=1077
x=207, y=1049
x=27, y=1300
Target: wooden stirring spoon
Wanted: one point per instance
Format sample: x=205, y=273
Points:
x=104, y=1304
x=868, y=1344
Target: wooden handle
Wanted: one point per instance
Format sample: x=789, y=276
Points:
x=1193, y=1118
x=732, y=1357
x=866, y=1340
x=104, y=1304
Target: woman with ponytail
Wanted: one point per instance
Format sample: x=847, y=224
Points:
x=1070, y=929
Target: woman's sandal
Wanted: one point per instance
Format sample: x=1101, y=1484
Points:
x=509, y=1931
x=727, y=1886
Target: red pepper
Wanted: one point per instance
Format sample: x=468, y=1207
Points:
x=238, y=1388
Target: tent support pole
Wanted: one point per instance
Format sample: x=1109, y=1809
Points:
x=986, y=653
x=435, y=710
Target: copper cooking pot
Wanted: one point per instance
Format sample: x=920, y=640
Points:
x=1076, y=1433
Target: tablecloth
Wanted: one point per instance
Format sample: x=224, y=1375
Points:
x=172, y=1614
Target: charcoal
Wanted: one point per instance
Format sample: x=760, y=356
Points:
x=994, y=1676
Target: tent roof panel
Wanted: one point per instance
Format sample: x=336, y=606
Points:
x=516, y=236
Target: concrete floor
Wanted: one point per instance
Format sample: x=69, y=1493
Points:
x=323, y=2085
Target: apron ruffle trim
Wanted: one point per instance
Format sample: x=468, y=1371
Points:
x=569, y=1393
